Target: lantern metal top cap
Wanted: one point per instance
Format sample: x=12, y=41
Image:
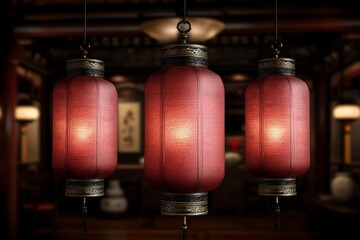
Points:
x=184, y=54
x=85, y=67
x=276, y=66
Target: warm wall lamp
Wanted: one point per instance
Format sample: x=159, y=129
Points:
x=25, y=112
x=162, y=29
x=346, y=111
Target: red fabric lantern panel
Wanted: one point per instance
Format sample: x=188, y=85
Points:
x=184, y=109
x=277, y=125
x=84, y=127
x=184, y=129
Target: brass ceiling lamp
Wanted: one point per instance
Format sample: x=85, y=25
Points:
x=162, y=29
x=184, y=128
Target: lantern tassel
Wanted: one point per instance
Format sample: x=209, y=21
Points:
x=184, y=230
x=84, y=215
x=277, y=215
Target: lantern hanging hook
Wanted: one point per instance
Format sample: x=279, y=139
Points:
x=85, y=46
x=184, y=26
x=277, y=45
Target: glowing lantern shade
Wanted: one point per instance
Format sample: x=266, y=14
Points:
x=184, y=130
x=277, y=127
x=84, y=128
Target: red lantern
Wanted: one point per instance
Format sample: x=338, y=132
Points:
x=277, y=127
x=84, y=128
x=184, y=130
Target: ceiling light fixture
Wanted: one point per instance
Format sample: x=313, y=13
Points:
x=162, y=29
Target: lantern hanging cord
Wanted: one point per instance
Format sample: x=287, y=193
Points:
x=184, y=230
x=276, y=21
x=277, y=45
x=85, y=46
x=277, y=214
x=84, y=215
x=184, y=12
x=184, y=25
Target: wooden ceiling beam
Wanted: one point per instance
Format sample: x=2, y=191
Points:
x=245, y=26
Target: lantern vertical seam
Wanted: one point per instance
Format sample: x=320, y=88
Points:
x=292, y=127
x=98, y=126
x=261, y=124
x=67, y=102
x=199, y=130
x=162, y=129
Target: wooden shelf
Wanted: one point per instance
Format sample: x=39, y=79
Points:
x=351, y=208
x=130, y=166
x=159, y=227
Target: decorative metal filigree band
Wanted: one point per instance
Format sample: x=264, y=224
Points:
x=277, y=187
x=276, y=66
x=184, y=54
x=85, y=67
x=84, y=187
x=191, y=204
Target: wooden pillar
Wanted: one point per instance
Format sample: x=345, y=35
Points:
x=322, y=129
x=8, y=138
x=9, y=147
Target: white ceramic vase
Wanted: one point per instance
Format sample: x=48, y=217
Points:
x=232, y=158
x=115, y=201
x=342, y=187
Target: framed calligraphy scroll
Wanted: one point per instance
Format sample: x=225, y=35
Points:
x=130, y=123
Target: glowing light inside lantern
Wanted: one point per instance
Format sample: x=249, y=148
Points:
x=275, y=133
x=83, y=133
x=181, y=132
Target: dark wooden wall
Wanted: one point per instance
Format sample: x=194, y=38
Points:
x=8, y=137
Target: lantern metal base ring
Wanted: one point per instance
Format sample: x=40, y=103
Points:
x=277, y=187
x=184, y=204
x=84, y=187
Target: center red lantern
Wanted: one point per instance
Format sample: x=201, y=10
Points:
x=184, y=130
